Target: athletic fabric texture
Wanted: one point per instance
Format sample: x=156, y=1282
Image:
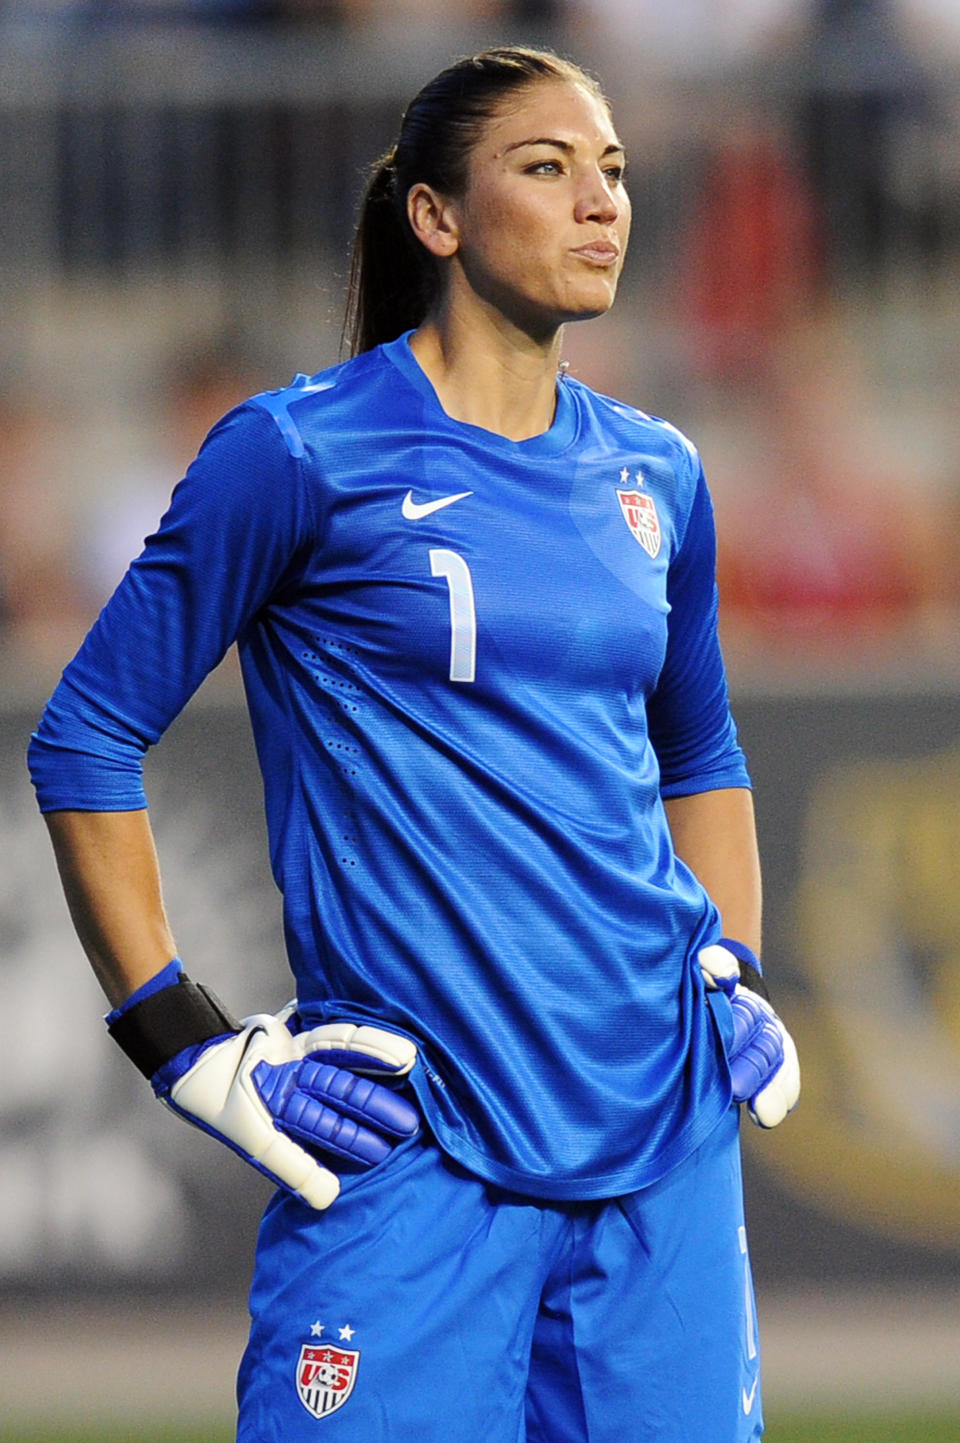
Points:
x=427, y=1303
x=474, y=669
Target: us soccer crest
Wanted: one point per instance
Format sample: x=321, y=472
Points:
x=325, y=1378
x=640, y=513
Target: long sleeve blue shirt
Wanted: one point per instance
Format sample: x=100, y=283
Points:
x=474, y=668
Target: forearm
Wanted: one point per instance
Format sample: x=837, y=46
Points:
x=111, y=880
x=715, y=834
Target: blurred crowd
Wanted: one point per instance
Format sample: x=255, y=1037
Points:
x=791, y=302
x=678, y=31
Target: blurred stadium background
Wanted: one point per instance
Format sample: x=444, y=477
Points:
x=178, y=185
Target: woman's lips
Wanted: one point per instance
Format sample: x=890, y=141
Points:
x=599, y=253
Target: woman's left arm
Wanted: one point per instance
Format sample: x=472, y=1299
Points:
x=705, y=787
x=705, y=783
x=715, y=834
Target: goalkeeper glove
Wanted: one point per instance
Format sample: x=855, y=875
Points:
x=270, y=1091
x=764, y=1067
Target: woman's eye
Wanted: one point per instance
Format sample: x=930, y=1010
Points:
x=614, y=173
x=545, y=167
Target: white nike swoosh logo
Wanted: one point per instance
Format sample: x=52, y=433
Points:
x=416, y=510
x=749, y=1397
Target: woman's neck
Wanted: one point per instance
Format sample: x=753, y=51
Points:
x=491, y=375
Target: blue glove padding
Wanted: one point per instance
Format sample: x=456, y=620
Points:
x=764, y=1067
x=326, y=1106
x=263, y=1092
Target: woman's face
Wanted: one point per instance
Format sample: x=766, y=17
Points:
x=541, y=230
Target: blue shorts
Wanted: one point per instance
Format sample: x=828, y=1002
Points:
x=428, y=1305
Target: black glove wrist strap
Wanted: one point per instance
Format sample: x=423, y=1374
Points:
x=163, y=1024
x=751, y=974
x=751, y=979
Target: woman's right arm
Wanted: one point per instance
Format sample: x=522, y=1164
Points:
x=111, y=880
x=236, y=526
x=236, y=532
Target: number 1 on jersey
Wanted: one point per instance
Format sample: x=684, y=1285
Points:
x=463, y=616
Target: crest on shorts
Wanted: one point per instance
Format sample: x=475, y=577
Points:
x=325, y=1377
x=640, y=513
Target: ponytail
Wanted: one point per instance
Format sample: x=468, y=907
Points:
x=390, y=288
x=393, y=279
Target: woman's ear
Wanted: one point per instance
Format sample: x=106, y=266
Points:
x=433, y=220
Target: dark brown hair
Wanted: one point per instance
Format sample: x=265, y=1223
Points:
x=393, y=279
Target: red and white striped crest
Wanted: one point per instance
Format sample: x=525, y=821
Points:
x=325, y=1378
x=640, y=513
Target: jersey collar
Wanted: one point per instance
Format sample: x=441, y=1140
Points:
x=559, y=437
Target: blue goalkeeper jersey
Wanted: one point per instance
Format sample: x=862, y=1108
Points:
x=474, y=668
